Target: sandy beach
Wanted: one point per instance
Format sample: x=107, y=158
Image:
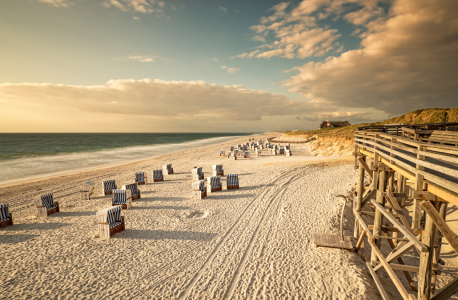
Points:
x=250, y=243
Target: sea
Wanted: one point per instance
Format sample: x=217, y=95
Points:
x=26, y=156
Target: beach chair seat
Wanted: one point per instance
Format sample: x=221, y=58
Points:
x=218, y=170
x=247, y=154
x=281, y=150
x=232, y=148
x=134, y=191
x=110, y=221
x=221, y=153
x=87, y=189
x=197, y=174
x=46, y=205
x=232, y=181
x=167, y=169
x=157, y=176
x=122, y=198
x=6, y=218
x=108, y=186
x=213, y=184
x=199, y=190
x=140, y=178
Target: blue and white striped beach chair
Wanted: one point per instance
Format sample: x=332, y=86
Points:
x=87, y=189
x=167, y=169
x=46, y=205
x=157, y=175
x=218, y=170
x=110, y=221
x=199, y=190
x=6, y=218
x=108, y=186
x=247, y=154
x=134, y=191
x=123, y=198
x=232, y=181
x=197, y=174
x=281, y=150
x=213, y=184
x=140, y=178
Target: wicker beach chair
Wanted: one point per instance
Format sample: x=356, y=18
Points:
x=197, y=174
x=281, y=150
x=247, y=154
x=232, y=181
x=110, y=221
x=157, y=176
x=167, y=169
x=6, y=218
x=232, y=148
x=108, y=186
x=218, y=170
x=87, y=190
x=199, y=191
x=134, y=191
x=213, y=184
x=221, y=153
x=140, y=178
x=46, y=205
x=123, y=198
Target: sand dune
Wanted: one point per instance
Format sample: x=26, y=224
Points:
x=251, y=243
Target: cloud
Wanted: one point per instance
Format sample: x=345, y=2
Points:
x=142, y=58
x=141, y=6
x=406, y=61
x=214, y=59
x=194, y=100
x=223, y=9
x=57, y=3
x=296, y=31
x=230, y=70
x=136, y=18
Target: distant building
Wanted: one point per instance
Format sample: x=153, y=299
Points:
x=330, y=124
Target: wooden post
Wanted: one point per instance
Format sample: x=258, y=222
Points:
x=378, y=219
x=426, y=260
x=401, y=187
x=442, y=208
x=359, y=196
x=418, y=187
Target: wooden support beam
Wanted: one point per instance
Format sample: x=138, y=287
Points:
x=360, y=241
x=359, y=194
x=365, y=166
x=438, y=244
x=363, y=224
x=390, y=238
x=377, y=282
x=405, y=295
x=407, y=232
x=449, y=235
x=446, y=292
x=368, y=197
x=398, y=210
x=398, y=253
x=378, y=219
x=423, y=195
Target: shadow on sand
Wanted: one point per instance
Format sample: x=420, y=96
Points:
x=165, y=235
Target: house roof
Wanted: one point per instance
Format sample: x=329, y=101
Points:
x=334, y=124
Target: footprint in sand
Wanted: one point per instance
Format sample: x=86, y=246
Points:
x=196, y=214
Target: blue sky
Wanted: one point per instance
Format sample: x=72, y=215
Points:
x=286, y=65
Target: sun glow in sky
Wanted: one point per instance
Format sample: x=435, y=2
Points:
x=206, y=65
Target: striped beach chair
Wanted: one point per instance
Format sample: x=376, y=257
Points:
x=232, y=181
x=108, y=186
x=46, y=205
x=87, y=189
x=199, y=191
x=197, y=174
x=123, y=198
x=157, y=176
x=140, y=178
x=167, y=169
x=221, y=153
x=110, y=221
x=247, y=154
x=232, y=148
x=134, y=191
x=232, y=155
x=218, y=170
x=6, y=218
x=281, y=150
x=213, y=184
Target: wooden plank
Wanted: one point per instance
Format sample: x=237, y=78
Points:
x=407, y=233
x=332, y=241
x=446, y=231
x=412, y=269
x=366, y=167
x=368, y=197
x=395, y=205
x=447, y=291
x=377, y=282
x=405, y=295
x=364, y=225
x=378, y=218
x=360, y=241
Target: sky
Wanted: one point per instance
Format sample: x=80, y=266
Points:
x=222, y=66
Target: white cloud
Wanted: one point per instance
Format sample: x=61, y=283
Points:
x=214, y=59
x=407, y=61
x=141, y=6
x=230, y=70
x=142, y=58
x=57, y=3
x=136, y=18
x=194, y=100
x=223, y=9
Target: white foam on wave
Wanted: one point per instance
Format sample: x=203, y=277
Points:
x=36, y=167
